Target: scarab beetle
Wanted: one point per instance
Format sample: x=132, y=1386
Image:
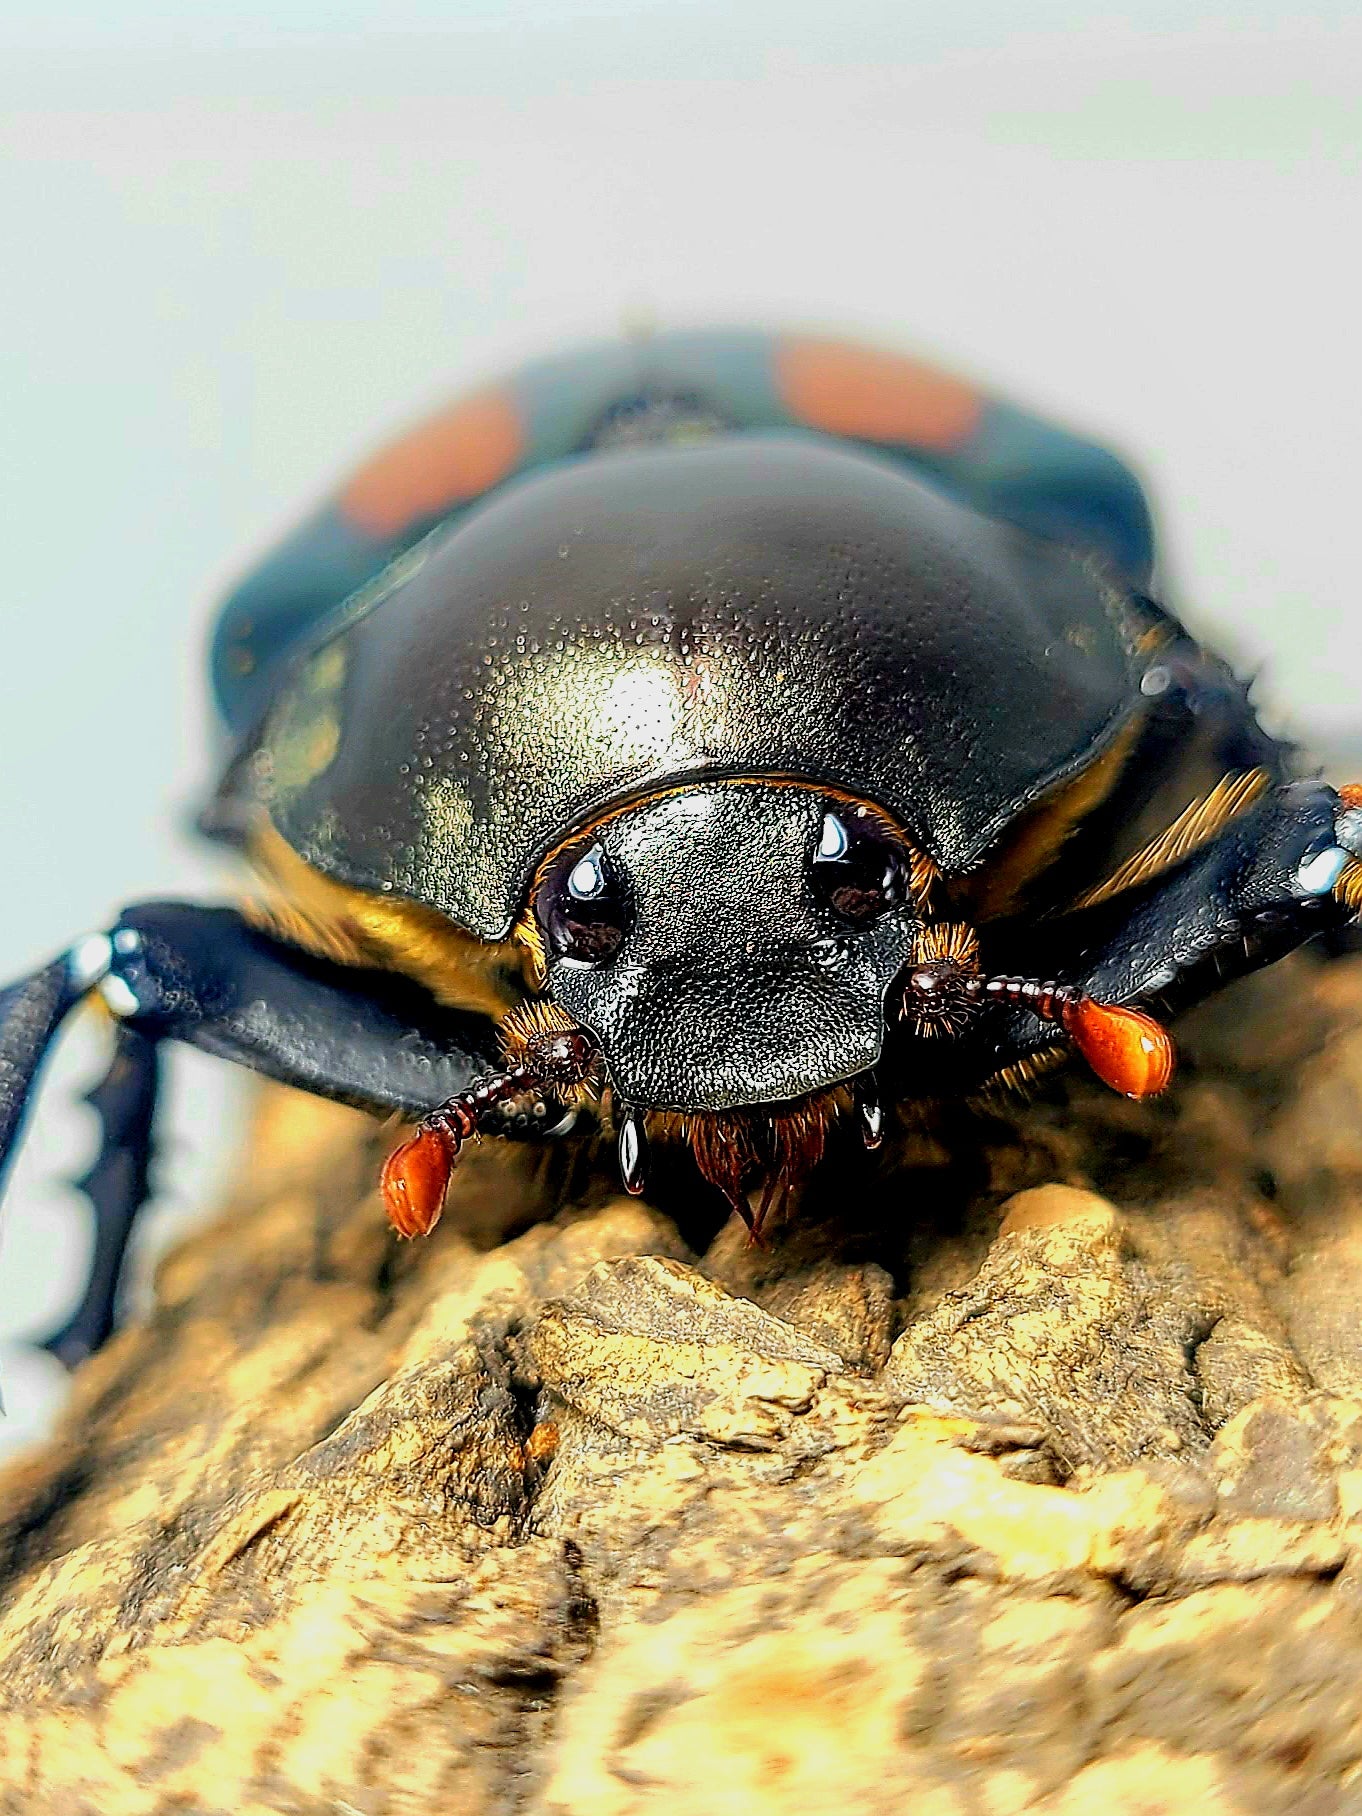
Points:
x=720, y=736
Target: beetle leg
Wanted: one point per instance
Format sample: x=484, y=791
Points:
x=31, y=1014
x=32, y=1011
x=1287, y=869
x=367, y=1038
x=173, y=971
x=117, y=1186
x=1274, y=878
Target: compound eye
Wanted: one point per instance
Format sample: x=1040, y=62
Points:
x=582, y=907
x=860, y=870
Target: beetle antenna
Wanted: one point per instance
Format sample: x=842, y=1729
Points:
x=554, y=1060
x=1126, y=1048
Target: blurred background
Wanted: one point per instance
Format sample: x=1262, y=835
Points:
x=241, y=247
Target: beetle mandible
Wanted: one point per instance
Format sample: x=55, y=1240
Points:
x=716, y=736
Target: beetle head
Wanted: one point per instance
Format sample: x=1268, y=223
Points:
x=731, y=944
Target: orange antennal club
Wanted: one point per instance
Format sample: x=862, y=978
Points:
x=1126, y=1048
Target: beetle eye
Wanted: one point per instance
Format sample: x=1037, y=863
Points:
x=581, y=906
x=859, y=868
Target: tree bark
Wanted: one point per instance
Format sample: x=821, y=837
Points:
x=1023, y=1472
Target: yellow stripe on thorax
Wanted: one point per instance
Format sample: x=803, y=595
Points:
x=355, y=927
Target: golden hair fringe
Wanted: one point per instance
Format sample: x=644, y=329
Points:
x=1023, y=1073
x=1348, y=888
x=1194, y=827
x=353, y=927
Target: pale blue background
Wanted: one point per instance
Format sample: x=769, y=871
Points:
x=239, y=244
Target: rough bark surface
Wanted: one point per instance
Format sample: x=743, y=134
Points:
x=1021, y=1473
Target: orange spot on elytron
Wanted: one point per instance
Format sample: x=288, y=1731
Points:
x=874, y=396
x=1351, y=794
x=415, y=1179
x=442, y=462
x=1126, y=1048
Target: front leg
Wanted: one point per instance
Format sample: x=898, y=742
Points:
x=171, y=971
x=1287, y=869
x=369, y=1038
x=32, y=1010
x=117, y=1184
x=1284, y=871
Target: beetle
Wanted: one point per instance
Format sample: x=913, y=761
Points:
x=716, y=737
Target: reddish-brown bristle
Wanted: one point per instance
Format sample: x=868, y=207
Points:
x=724, y=1152
x=778, y=1147
x=415, y=1180
x=1126, y=1048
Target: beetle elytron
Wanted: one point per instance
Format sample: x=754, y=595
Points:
x=729, y=733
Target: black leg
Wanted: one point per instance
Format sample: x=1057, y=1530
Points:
x=31, y=1013
x=1283, y=872
x=117, y=1186
x=1264, y=886
x=170, y=971
x=368, y=1038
